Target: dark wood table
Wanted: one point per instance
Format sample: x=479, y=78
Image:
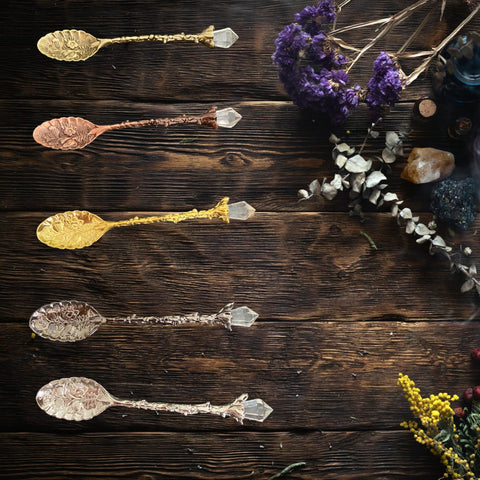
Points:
x=338, y=319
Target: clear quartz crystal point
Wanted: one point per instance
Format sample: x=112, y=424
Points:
x=240, y=211
x=228, y=117
x=224, y=38
x=256, y=410
x=243, y=317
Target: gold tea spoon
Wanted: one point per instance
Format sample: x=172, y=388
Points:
x=77, y=45
x=72, y=321
x=79, y=228
x=73, y=133
x=79, y=398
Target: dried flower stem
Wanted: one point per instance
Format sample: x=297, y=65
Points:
x=423, y=66
x=391, y=22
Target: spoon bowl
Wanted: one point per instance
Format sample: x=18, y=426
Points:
x=69, y=45
x=66, y=321
x=66, y=133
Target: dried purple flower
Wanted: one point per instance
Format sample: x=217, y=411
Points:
x=384, y=87
x=310, y=69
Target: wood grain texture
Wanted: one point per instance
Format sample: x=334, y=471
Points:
x=285, y=266
x=316, y=375
x=163, y=73
x=274, y=151
x=338, y=320
x=247, y=455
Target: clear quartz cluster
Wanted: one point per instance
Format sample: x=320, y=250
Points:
x=228, y=117
x=224, y=38
x=256, y=410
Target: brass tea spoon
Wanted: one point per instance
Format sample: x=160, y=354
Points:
x=71, y=321
x=79, y=228
x=79, y=398
x=77, y=45
x=73, y=133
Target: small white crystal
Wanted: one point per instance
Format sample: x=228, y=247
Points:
x=256, y=410
x=243, y=317
x=228, y=117
x=224, y=38
x=240, y=211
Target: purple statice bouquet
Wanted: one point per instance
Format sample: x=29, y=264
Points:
x=313, y=69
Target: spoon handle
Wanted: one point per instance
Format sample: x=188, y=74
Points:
x=205, y=37
x=223, y=317
x=219, y=211
x=235, y=409
x=208, y=118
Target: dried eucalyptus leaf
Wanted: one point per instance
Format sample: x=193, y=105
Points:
x=394, y=210
x=343, y=148
x=374, y=179
x=423, y=239
x=438, y=241
x=345, y=182
x=392, y=139
x=390, y=197
x=410, y=227
x=388, y=156
x=340, y=160
x=357, y=181
x=337, y=182
x=374, y=133
x=333, y=138
x=421, y=229
x=472, y=270
x=467, y=286
x=357, y=164
x=303, y=194
x=315, y=187
x=328, y=191
x=373, y=198
x=406, y=213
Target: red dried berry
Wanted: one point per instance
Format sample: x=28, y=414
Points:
x=460, y=412
x=468, y=395
x=475, y=354
x=476, y=392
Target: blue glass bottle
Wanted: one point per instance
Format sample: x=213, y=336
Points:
x=459, y=79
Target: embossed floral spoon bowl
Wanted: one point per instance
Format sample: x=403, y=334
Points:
x=72, y=321
x=73, y=133
x=79, y=398
x=79, y=228
x=77, y=45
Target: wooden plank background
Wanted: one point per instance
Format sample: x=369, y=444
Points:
x=338, y=320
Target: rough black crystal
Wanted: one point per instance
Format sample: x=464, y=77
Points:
x=453, y=202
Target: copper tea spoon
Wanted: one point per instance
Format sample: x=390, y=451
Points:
x=79, y=228
x=73, y=133
x=80, y=398
x=77, y=45
x=72, y=321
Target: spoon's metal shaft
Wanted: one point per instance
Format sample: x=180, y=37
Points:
x=223, y=317
x=235, y=409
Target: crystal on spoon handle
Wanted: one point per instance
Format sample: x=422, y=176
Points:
x=256, y=410
x=240, y=211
